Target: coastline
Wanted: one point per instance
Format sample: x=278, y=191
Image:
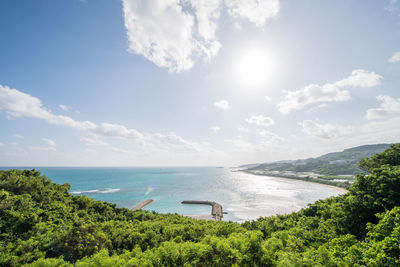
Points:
x=342, y=189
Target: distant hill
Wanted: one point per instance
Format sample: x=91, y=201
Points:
x=249, y=166
x=336, y=163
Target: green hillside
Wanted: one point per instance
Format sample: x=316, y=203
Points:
x=337, y=163
x=41, y=224
x=337, y=168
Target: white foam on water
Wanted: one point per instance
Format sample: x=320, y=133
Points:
x=97, y=191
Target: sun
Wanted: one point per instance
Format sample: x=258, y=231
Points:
x=254, y=68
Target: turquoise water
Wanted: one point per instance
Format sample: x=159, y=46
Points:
x=243, y=196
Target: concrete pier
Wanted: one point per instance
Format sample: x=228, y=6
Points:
x=143, y=204
x=216, y=210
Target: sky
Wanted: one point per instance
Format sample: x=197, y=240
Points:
x=195, y=82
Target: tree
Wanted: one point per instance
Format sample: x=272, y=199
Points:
x=390, y=156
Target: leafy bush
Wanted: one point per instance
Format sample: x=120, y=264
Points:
x=41, y=224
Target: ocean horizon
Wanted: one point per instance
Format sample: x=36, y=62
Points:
x=244, y=196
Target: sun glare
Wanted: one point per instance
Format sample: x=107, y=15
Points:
x=254, y=68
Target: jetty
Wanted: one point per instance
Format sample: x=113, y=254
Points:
x=143, y=204
x=216, y=210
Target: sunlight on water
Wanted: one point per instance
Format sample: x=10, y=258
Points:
x=243, y=196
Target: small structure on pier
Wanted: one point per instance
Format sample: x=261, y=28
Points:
x=216, y=211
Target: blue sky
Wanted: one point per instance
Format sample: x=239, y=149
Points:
x=173, y=83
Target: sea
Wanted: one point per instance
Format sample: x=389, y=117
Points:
x=244, y=196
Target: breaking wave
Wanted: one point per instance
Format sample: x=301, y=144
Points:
x=96, y=191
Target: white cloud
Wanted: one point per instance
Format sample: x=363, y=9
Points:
x=391, y=6
x=260, y=120
x=243, y=129
x=64, y=107
x=171, y=140
x=222, y=104
x=314, y=93
x=49, y=142
x=361, y=78
x=382, y=131
x=50, y=146
x=237, y=26
x=215, y=129
x=325, y=131
x=93, y=141
x=317, y=107
x=119, y=150
x=206, y=13
x=42, y=148
x=373, y=132
x=395, y=58
x=2, y=144
x=255, y=11
x=389, y=107
x=19, y=104
x=176, y=33
x=242, y=145
x=268, y=142
x=269, y=137
x=268, y=98
x=164, y=31
x=19, y=136
x=117, y=130
x=311, y=94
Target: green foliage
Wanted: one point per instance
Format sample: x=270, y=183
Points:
x=41, y=224
x=377, y=192
x=390, y=157
x=383, y=240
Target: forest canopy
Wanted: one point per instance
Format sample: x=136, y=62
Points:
x=41, y=224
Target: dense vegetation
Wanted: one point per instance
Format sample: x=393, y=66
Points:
x=337, y=163
x=41, y=224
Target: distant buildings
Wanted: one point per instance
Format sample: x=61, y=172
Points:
x=339, y=161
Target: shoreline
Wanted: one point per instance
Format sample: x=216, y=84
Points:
x=339, y=188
